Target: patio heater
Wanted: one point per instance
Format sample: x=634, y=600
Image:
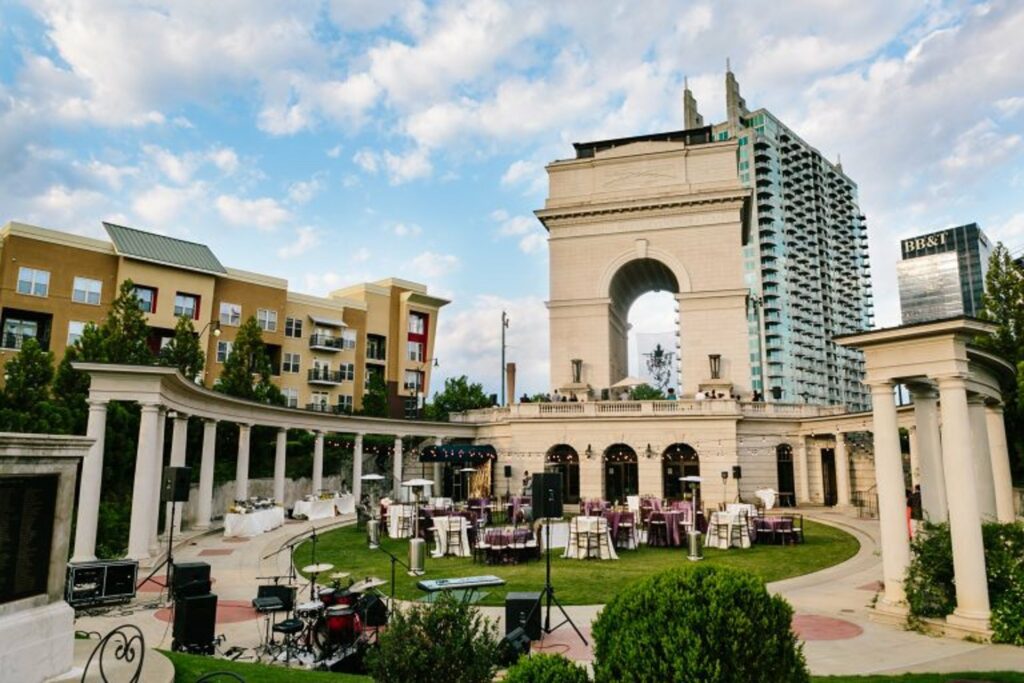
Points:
x=465, y=472
x=373, y=525
x=725, y=486
x=417, y=546
x=695, y=547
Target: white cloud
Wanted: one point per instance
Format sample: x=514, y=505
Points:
x=334, y=152
x=532, y=236
x=433, y=265
x=367, y=159
x=981, y=146
x=160, y=205
x=403, y=168
x=177, y=168
x=406, y=229
x=360, y=255
x=66, y=207
x=302, y=191
x=517, y=225
x=111, y=175
x=530, y=174
x=264, y=213
x=305, y=239
x=224, y=158
x=532, y=243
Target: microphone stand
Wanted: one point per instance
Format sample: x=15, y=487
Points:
x=393, y=561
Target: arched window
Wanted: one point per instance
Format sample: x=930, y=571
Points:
x=564, y=459
x=677, y=461
x=620, y=473
x=784, y=465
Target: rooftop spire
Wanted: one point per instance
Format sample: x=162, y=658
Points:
x=691, y=117
x=735, y=106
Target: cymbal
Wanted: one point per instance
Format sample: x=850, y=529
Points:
x=318, y=568
x=338, y=576
x=367, y=584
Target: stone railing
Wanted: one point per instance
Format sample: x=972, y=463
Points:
x=604, y=409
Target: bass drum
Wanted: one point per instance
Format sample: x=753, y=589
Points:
x=339, y=628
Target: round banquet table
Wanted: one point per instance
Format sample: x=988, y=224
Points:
x=396, y=510
x=589, y=525
x=249, y=524
x=730, y=520
x=441, y=527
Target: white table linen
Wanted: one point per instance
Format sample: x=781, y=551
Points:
x=249, y=524
x=395, y=511
x=442, y=525
x=730, y=520
x=442, y=503
x=346, y=504
x=589, y=525
x=736, y=508
x=767, y=497
x=314, y=509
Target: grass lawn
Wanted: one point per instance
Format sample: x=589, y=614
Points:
x=577, y=582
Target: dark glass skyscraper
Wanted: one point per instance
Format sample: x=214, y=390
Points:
x=942, y=274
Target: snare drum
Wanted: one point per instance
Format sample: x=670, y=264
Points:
x=343, y=624
x=327, y=596
x=310, y=611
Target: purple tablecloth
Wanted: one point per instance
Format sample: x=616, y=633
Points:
x=507, y=536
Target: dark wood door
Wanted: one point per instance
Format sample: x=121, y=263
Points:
x=786, y=478
x=828, y=475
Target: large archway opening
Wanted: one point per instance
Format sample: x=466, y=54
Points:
x=621, y=477
x=565, y=461
x=786, y=480
x=644, y=316
x=679, y=460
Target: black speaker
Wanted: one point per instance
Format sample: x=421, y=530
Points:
x=372, y=610
x=513, y=646
x=508, y=471
x=547, y=495
x=520, y=613
x=195, y=618
x=737, y=471
x=190, y=578
x=175, y=484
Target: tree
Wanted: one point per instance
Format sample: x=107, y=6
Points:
x=247, y=368
x=375, y=398
x=25, y=402
x=1004, y=307
x=71, y=387
x=183, y=351
x=458, y=395
x=645, y=392
x=125, y=332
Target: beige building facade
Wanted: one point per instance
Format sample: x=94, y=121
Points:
x=323, y=349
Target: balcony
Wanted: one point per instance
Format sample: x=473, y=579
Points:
x=320, y=376
x=332, y=409
x=324, y=342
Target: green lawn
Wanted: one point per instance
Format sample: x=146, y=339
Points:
x=578, y=582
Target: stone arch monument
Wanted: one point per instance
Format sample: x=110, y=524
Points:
x=626, y=217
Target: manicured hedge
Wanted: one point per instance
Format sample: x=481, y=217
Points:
x=544, y=668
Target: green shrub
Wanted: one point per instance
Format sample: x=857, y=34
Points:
x=931, y=591
x=703, y=623
x=545, y=668
x=447, y=640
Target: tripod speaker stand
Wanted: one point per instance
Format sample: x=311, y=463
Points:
x=548, y=592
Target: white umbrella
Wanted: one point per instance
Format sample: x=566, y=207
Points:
x=628, y=383
x=372, y=477
x=692, y=478
x=418, y=482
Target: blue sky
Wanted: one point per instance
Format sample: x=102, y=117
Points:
x=336, y=141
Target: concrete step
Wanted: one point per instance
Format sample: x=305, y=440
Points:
x=156, y=668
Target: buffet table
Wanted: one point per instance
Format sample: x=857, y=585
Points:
x=249, y=524
x=314, y=509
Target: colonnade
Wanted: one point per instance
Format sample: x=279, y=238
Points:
x=143, y=540
x=960, y=460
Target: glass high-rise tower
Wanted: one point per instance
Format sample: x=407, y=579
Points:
x=942, y=274
x=806, y=262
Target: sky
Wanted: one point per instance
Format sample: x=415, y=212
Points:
x=337, y=141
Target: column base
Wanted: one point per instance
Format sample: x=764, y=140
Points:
x=972, y=626
x=83, y=558
x=892, y=614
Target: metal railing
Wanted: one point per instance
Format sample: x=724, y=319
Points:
x=682, y=407
x=325, y=341
x=324, y=376
x=128, y=643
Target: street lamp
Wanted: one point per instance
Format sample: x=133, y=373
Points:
x=504, y=326
x=214, y=327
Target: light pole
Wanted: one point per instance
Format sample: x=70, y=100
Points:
x=504, y=326
x=215, y=331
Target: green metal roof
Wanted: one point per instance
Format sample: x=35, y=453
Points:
x=148, y=246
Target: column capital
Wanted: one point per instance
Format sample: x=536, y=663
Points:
x=977, y=400
x=282, y=429
x=922, y=391
x=148, y=407
x=879, y=386
x=97, y=403
x=244, y=426
x=953, y=381
x=995, y=405
x=210, y=420
x=177, y=415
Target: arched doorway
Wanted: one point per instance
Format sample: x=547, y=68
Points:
x=620, y=472
x=678, y=460
x=564, y=460
x=784, y=465
x=630, y=282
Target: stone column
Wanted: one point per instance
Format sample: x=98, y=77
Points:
x=984, y=480
x=437, y=471
x=803, y=482
x=242, y=463
x=158, y=474
x=92, y=481
x=318, y=463
x=396, y=489
x=929, y=455
x=892, y=503
x=280, y=454
x=842, y=471
x=143, y=506
x=204, y=508
x=179, y=437
x=1000, y=462
x=357, y=468
x=972, y=608
x=915, y=460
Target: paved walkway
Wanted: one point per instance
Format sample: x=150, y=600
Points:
x=832, y=608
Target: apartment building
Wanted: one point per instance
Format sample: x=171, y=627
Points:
x=323, y=349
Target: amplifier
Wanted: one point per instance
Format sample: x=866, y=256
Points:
x=523, y=612
x=101, y=582
x=195, y=619
x=190, y=578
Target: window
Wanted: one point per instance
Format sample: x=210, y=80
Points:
x=291, y=362
x=348, y=339
x=416, y=351
x=347, y=371
x=319, y=400
x=16, y=331
x=86, y=291
x=230, y=314
x=267, y=319
x=186, y=305
x=33, y=282
x=291, y=397
x=293, y=327
x=223, y=351
x=417, y=323
x=413, y=380
x=376, y=347
x=146, y=297
x=345, y=403
x=75, y=330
